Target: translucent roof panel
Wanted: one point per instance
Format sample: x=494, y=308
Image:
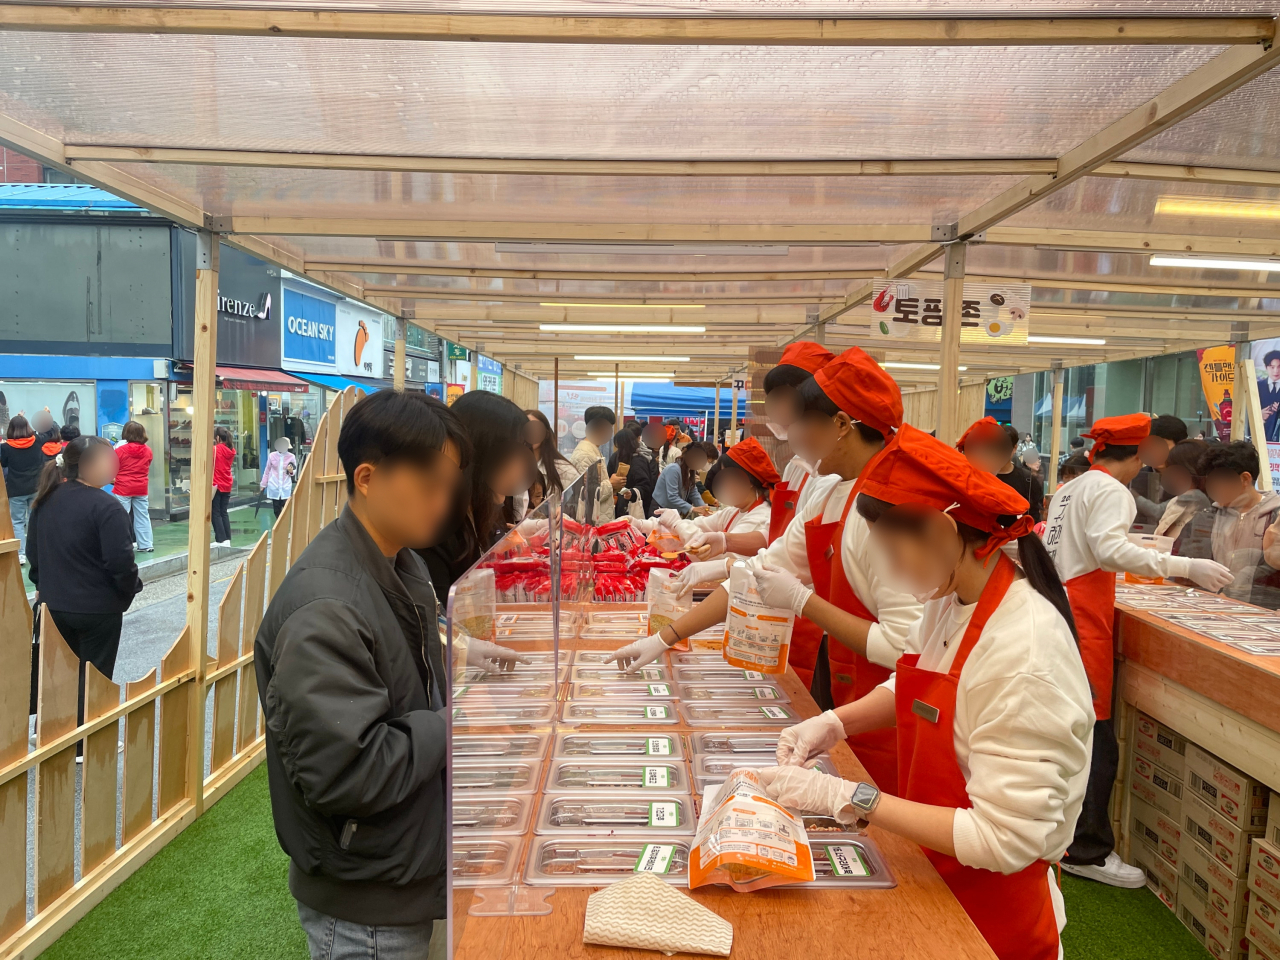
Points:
x=1240, y=130
x=588, y=101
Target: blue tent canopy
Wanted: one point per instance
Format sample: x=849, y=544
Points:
x=1072, y=407
x=341, y=383
x=665, y=400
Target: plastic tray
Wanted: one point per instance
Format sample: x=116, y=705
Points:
x=619, y=814
x=496, y=776
x=720, y=673
x=490, y=747
x=654, y=672
x=734, y=743
x=505, y=690
x=719, y=765
x=488, y=713
x=848, y=861
x=573, y=861
x=692, y=693
x=631, y=744
x=623, y=690
x=621, y=632
x=620, y=712
x=477, y=816
x=523, y=673
x=738, y=713
x=697, y=659
x=491, y=861
x=612, y=775
x=594, y=658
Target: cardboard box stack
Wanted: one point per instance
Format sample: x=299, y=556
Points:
x=1262, y=921
x=1156, y=780
x=1223, y=810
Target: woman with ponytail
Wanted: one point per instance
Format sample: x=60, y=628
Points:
x=80, y=547
x=993, y=711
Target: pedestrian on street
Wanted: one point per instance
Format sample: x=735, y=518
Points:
x=81, y=554
x=353, y=687
x=131, y=482
x=277, y=477
x=224, y=455
x=22, y=460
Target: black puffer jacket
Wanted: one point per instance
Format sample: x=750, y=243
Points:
x=350, y=675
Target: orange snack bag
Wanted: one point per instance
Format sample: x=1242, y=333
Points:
x=756, y=636
x=749, y=842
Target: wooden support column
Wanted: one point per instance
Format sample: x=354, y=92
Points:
x=1242, y=372
x=716, y=429
x=555, y=403
x=1055, y=438
x=617, y=397
x=397, y=371
x=203, y=398
x=733, y=415
x=948, y=428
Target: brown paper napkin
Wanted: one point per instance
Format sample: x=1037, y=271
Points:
x=649, y=914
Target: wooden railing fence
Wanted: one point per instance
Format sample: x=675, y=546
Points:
x=134, y=792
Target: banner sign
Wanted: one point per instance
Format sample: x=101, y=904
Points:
x=913, y=309
x=490, y=374
x=1217, y=373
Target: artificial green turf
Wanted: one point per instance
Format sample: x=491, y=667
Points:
x=219, y=892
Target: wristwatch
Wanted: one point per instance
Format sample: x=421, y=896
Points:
x=864, y=799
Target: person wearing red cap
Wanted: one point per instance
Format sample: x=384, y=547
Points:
x=1087, y=534
x=990, y=446
x=821, y=568
x=782, y=407
x=992, y=715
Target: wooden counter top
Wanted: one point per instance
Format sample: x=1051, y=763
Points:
x=918, y=919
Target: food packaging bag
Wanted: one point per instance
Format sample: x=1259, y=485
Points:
x=756, y=636
x=645, y=913
x=661, y=598
x=748, y=841
x=475, y=603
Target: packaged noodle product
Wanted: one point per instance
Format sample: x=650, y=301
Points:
x=662, y=600
x=747, y=841
x=756, y=636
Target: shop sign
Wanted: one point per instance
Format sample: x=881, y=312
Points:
x=308, y=330
x=358, y=345
x=455, y=351
x=913, y=310
x=490, y=374
x=1217, y=375
x=452, y=391
x=416, y=369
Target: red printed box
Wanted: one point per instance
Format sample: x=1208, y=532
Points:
x=1220, y=786
x=1156, y=786
x=1157, y=742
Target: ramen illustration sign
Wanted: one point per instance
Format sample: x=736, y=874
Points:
x=913, y=310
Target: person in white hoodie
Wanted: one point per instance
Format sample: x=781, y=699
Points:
x=992, y=715
x=1087, y=534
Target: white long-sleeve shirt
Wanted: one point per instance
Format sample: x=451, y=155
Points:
x=887, y=639
x=793, y=475
x=1023, y=727
x=727, y=520
x=1088, y=528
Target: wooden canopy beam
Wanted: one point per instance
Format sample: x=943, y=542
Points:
x=247, y=21
x=1126, y=242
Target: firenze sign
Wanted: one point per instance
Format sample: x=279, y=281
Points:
x=246, y=308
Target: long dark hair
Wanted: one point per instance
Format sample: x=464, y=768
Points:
x=73, y=454
x=495, y=427
x=688, y=476
x=626, y=444
x=19, y=428
x=548, y=454
x=1034, y=559
x=221, y=435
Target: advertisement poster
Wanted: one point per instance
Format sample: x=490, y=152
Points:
x=68, y=402
x=575, y=397
x=490, y=374
x=452, y=391
x=358, y=347
x=1266, y=370
x=435, y=390
x=1000, y=399
x=912, y=310
x=1216, y=376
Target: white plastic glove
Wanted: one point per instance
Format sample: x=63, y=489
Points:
x=781, y=589
x=668, y=517
x=703, y=572
x=806, y=790
x=644, y=527
x=1210, y=575
x=532, y=527
x=492, y=658
x=706, y=538
x=799, y=744
x=640, y=654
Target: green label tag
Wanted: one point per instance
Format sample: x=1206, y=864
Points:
x=655, y=713
x=752, y=675
x=658, y=746
x=774, y=713
x=657, y=776
x=659, y=690
x=766, y=693
x=664, y=814
x=651, y=673
x=655, y=858
x=461, y=691
x=847, y=860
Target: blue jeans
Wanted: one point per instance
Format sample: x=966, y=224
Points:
x=19, y=509
x=329, y=938
x=141, y=510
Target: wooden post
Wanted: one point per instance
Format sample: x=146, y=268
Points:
x=617, y=397
x=1239, y=390
x=397, y=371
x=733, y=416
x=203, y=397
x=948, y=426
x=716, y=441
x=555, y=404
x=1055, y=438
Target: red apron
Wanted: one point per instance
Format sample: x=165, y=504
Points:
x=782, y=507
x=737, y=513
x=852, y=676
x=1013, y=912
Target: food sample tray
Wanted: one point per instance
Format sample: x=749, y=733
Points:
x=734, y=742
x=619, y=712
x=493, y=746
x=486, y=862
x=697, y=659
x=626, y=744
x=575, y=861
x=719, y=673
x=848, y=861
x=720, y=692
x=632, y=814
x=505, y=689
x=492, y=713
x=653, y=673
x=485, y=816
x=496, y=776
x=623, y=690
x=613, y=775
x=738, y=713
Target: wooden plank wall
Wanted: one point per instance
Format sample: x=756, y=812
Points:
x=149, y=721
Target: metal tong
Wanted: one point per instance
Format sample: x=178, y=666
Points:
x=479, y=861
x=503, y=813
x=485, y=777
x=605, y=712
x=564, y=858
x=727, y=743
x=616, y=813
x=507, y=747
x=605, y=747
x=606, y=777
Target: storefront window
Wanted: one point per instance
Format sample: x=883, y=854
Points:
x=68, y=402
x=237, y=410
x=147, y=407
x=295, y=415
x=180, y=413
